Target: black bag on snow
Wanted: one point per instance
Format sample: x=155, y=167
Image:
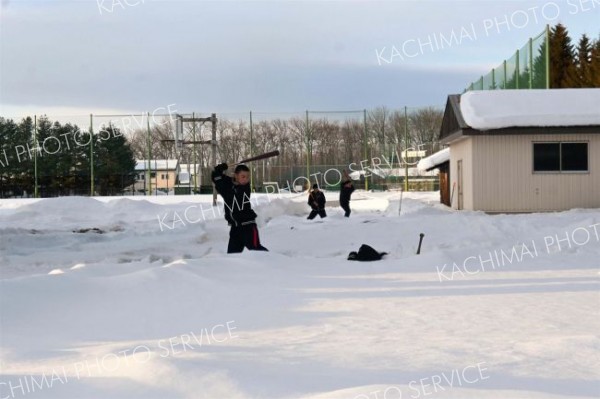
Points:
x=366, y=253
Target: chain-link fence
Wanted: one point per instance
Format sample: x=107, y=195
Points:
x=171, y=153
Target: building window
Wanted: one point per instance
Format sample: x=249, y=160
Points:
x=574, y=156
x=153, y=175
x=560, y=157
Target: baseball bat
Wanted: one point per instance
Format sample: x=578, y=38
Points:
x=420, y=241
x=259, y=157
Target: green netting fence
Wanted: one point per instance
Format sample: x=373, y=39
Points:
x=528, y=68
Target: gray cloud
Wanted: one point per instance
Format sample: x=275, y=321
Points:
x=231, y=56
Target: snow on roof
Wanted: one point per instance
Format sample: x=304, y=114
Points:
x=156, y=164
x=190, y=167
x=434, y=160
x=397, y=172
x=495, y=109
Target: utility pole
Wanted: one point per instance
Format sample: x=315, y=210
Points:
x=213, y=119
x=213, y=142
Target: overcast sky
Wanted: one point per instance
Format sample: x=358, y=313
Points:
x=78, y=57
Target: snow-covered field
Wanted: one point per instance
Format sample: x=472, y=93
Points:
x=149, y=305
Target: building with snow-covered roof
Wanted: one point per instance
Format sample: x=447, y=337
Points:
x=160, y=173
x=439, y=161
x=523, y=150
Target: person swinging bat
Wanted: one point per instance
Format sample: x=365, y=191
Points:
x=238, y=209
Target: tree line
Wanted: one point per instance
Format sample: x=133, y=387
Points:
x=573, y=66
x=321, y=141
x=63, y=156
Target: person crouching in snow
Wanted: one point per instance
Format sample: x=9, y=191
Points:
x=238, y=209
x=345, y=193
x=316, y=200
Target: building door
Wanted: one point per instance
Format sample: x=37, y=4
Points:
x=459, y=172
x=445, y=184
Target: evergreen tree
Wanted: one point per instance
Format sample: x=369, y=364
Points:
x=80, y=155
x=45, y=167
x=595, y=64
x=562, y=67
x=23, y=171
x=114, y=163
x=539, y=67
x=62, y=148
x=9, y=139
x=583, y=62
x=524, y=78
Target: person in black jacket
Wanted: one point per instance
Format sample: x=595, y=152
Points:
x=316, y=200
x=345, y=192
x=238, y=209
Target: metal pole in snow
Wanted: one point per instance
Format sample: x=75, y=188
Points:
x=420, y=242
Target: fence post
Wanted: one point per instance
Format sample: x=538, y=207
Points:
x=195, y=153
x=547, y=56
x=405, y=148
x=149, y=171
x=251, y=154
x=383, y=132
x=517, y=71
x=91, y=155
x=36, y=192
x=213, y=147
x=530, y=63
x=504, y=83
x=365, y=145
x=308, y=150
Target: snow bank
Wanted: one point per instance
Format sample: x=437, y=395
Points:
x=495, y=109
x=308, y=323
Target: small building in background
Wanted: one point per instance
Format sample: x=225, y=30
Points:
x=523, y=150
x=190, y=178
x=162, y=174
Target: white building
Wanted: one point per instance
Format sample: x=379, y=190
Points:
x=160, y=173
x=523, y=150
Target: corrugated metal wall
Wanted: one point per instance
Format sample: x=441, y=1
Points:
x=503, y=179
x=462, y=150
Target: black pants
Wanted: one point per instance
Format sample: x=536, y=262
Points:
x=244, y=236
x=315, y=212
x=346, y=207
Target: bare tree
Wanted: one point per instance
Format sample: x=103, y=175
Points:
x=379, y=126
x=330, y=141
x=426, y=124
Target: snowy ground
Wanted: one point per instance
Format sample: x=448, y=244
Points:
x=150, y=306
